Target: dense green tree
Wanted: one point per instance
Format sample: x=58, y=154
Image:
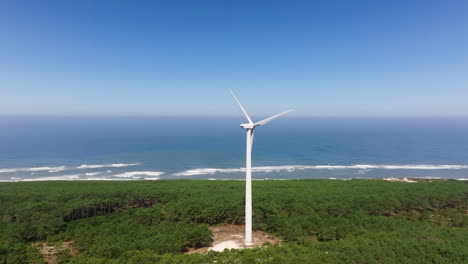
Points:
x=320, y=221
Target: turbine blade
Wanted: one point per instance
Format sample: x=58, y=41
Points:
x=267, y=120
x=241, y=107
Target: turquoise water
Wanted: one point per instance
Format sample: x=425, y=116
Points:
x=133, y=148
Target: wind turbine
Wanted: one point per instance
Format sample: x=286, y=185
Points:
x=249, y=127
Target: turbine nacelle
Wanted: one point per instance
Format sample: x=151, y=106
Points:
x=247, y=126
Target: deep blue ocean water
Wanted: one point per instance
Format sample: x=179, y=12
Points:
x=132, y=148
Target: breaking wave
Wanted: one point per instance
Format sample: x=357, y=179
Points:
x=290, y=168
x=104, y=179
x=131, y=174
x=56, y=178
x=33, y=169
x=152, y=178
x=114, y=165
x=92, y=173
x=62, y=168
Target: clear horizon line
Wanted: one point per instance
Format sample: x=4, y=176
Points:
x=217, y=116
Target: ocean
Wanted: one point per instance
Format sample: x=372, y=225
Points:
x=151, y=148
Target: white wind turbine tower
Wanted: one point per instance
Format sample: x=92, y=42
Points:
x=249, y=127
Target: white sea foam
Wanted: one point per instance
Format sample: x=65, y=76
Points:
x=462, y=179
x=92, y=173
x=132, y=174
x=13, y=179
x=151, y=178
x=204, y=171
x=8, y=170
x=114, y=165
x=49, y=169
x=56, y=178
x=33, y=169
x=62, y=168
x=290, y=168
x=105, y=179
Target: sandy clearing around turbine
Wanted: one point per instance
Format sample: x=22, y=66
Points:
x=232, y=237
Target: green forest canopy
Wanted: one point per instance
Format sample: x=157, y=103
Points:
x=320, y=221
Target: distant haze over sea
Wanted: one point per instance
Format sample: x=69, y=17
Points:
x=151, y=148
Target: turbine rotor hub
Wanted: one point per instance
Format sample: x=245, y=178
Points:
x=247, y=126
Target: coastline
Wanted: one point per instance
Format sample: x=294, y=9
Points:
x=140, y=171
x=385, y=179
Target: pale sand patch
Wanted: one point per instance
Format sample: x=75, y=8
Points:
x=230, y=244
x=398, y=180
x=51, y=252
x=232, y=237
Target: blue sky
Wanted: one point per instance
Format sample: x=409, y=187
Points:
x=323, y=58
